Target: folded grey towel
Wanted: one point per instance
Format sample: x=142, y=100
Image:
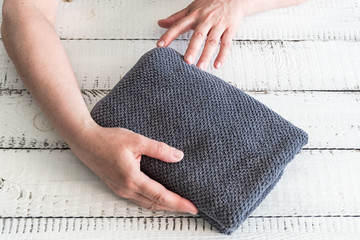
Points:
x=235, y=148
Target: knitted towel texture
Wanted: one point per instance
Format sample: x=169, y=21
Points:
x=235, y=148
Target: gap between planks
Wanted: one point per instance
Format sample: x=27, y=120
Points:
x=41, y=183
x=330, y=118
x=314, y=20
x=164, y=228
x=251, y=66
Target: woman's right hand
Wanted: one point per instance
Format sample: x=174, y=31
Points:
x=114, y=154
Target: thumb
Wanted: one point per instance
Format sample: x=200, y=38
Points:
x=167, y=22
x=159, y=150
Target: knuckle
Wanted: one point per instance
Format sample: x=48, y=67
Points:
x=139, y=141
x=137, y=138
x=199, y=35
x=129, y=184
x=158, y=198
x=194, y=13
x=209, y=16
x=192, y=17
x=225, y=44
x=220, y=20
x=161, y=147
x=212, y=41
x=177, y=25
x=153, y=206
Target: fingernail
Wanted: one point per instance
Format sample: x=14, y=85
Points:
x=193, y=211
x=218, y=65
x=161, y=43
x=189, y=59
x=178, y=154
x=202, y=66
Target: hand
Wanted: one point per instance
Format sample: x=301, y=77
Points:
x=114, y=154
x=216, y=19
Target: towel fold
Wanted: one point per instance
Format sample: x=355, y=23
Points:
x=235, y=148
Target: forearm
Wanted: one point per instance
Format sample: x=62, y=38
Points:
x=44, y=67
x=255, y=6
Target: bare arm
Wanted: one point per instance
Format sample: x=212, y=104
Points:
x=42, y=63
x=214, y=22
x=114, y=154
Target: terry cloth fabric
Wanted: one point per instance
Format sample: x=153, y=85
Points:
x=235, y=148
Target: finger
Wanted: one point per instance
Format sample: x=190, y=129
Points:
x=179, y=27
x=197, y=40
x=167, y=22
x=159, y=194
x=149, y=204
x=158, y=150
x=211, y=44
x=225, y=45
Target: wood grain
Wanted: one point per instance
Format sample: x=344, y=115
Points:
x=251, y=65
x=178, y=228
x=40, y=183
x=122, y=19
x=47, y=193
x=330, y=118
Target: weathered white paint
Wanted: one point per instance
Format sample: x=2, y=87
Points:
x=314, y=20
x=42, y=183
x=330, y=118
x=318, y=196
x=178, y=228
x=251, y=65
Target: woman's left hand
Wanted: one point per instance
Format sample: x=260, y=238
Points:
x=213, y=21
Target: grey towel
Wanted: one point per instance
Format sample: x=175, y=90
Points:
x=235, y=148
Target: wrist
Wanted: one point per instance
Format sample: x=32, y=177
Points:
x=80, y=133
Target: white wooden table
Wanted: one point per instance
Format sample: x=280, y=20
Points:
x=303, y=62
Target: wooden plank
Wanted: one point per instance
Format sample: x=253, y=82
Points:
x=319, y=190
x=251, y=65
x=41, y=183
x=330, y=118
x=114, y=19
x=178, y=228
